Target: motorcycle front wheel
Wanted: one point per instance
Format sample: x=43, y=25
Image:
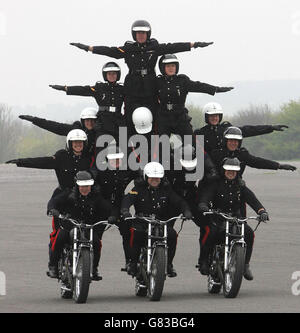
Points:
x=157, y=275
x=233, y=277
x=82, y=278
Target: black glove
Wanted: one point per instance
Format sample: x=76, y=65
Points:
x=201, y=44
x=112, y=220
x=263, y=216
x=223, y=89
x=25, y=117
x=287, y=167
x=125, y=213
x=202, y=207
x=188, y=214
x=81, y=46
x=54, y=212
x=12, y=161
x=279, y=127
x=57, y=87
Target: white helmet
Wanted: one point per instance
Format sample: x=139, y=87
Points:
x=189, y=159
x=142, y=119
x=75, y=135
x=114, y=152
x=212, y=108
x=154, y=170
x=88, y=113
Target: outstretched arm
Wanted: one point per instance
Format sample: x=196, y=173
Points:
x=49, y=125
x=255, y=130
x=113, y=52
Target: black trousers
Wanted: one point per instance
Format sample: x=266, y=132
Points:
x=211, y=235
x=138, y=239
x=63, y=237
x=175, y=122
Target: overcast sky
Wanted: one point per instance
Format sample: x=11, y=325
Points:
x=254, y=40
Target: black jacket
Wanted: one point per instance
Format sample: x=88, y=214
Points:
x=113, y=184
x=63, y=129
x=244, y=157
x=213, y=135
x=105, y=94
x=159, y=201
x=140, y=57
x=174, y=90
x=228, y=196
x=90, y=209
x=64, y=162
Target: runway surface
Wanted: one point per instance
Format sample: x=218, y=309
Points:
x=24, y=237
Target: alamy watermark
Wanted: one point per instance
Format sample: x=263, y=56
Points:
x=296, y=285
x=139, y=150
x=2, y=284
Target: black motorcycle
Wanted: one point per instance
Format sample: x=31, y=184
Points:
x=75, y=266
x=227, y=258
x=152, y=264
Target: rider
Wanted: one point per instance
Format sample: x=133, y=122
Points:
x=88, y=117
x=214, y=130
x=85, y=203
x=232, y=148
x=172, y=91
x=66, y=163
x=113, y=182
x=140, y=56
x=227, y=195
x=153, y=196
x=109, y=97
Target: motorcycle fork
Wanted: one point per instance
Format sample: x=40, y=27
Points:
x=77, y=247
x=152, y=246
x=228, y=248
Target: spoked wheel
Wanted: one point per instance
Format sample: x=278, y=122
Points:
x=233, y=278
x=82, y=279
x=157, y=275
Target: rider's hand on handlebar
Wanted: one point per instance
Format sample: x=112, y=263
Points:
x=202, y=207
x=112, y=220
x=54, y=212
x=188, y=214
x=263, y=216
x=125, y=214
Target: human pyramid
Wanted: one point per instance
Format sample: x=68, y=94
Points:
x=154, y=106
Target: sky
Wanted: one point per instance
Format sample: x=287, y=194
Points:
x=253, y=41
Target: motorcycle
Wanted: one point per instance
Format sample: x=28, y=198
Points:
x=152, y=263
x=227, y=258
x=75, y=266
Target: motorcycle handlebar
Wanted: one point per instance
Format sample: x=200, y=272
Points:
x=81, y=224
x=229, y=217
x=151, y=219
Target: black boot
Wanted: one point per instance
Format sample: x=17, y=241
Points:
x=53, y=271
x=247, y=273
x=171, y=271
x=132, y=268
x=95, y=275
x=204, y=268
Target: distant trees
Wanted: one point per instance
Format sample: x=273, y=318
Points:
x=21, y=139
x=277, y=145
